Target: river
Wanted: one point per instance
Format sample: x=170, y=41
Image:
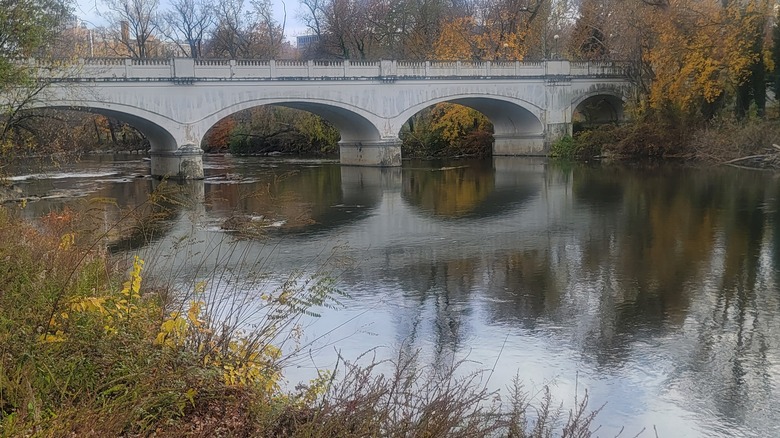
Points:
x=654, y=288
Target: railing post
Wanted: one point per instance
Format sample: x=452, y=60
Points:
x=387, y=68
x=309, y=68
x=457, y=68
x=517, y=68
x=345, y=64
x=272, y=68
x=427, y=69
x=232, y=68
x=182, y=68
x=128, y=67
x=487, y=68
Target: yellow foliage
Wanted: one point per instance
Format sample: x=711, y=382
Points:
x=253, y=368
x=702, y=50
x=67, y=241
x=110, y=308
x=88, y=305
x=132, y=287
x=315, y=389
x=456, y=120
x=243, y=364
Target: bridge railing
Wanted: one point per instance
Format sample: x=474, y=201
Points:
x=223, y=69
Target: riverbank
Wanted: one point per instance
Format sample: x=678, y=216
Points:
x=87, y=349
x=754, y=143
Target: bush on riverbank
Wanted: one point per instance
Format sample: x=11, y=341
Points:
x=651, y=136
x=84, y=353
x=727, y=139
x=268, y=129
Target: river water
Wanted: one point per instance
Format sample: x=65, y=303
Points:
x=653, y=288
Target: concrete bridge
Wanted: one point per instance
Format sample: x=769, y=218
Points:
x=174, y=102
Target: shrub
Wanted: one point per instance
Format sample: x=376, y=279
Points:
x=582, y=146
x=564, y=147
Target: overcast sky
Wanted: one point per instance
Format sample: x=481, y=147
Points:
x=88, y=10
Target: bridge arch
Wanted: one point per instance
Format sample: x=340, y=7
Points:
x=353, y=123
x=598, y=107
x=161, y=131
x=509, y=116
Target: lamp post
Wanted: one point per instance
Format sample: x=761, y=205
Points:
x=555, y=38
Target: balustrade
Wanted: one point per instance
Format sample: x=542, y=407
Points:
x=244, y=69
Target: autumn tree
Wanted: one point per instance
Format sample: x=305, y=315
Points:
x=496, y=31
x=231, y=37
x=704, y=51
x=269, y=33
x=418, y=24
x=589, y=40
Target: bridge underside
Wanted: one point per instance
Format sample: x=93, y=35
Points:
x=599, y=110
x=516, y=131
x=360, y=144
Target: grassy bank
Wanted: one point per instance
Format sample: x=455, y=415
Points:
x=720, y=140
x=87, y=350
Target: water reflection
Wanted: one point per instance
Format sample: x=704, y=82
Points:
x=655, y=287
x=467, y=189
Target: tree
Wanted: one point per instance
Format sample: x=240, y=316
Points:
x=26, y=29
x=588, y=40
x=268, y=32
x=704, y=51
x=188, y=22
x=776, y=54
x=246, y=31
x=496, y=31
x=133, y=24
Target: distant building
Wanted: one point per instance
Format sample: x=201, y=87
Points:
x=305, y=41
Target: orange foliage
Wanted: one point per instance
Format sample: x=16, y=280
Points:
x=218, y=137
x=464, y=38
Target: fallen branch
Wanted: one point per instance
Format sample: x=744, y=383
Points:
x=749, y=157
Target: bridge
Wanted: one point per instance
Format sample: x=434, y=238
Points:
x=174, y=102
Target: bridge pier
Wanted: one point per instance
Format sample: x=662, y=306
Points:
x=382, y=153
x=515, y=144
x=186, y=162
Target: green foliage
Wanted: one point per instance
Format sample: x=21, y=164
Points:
x=584, y=145
x=776, y=53
x=26, y=27
x=565, y=147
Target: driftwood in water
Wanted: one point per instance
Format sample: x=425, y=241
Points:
x=769, y=160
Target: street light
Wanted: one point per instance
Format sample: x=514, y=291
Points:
x=555, y=38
